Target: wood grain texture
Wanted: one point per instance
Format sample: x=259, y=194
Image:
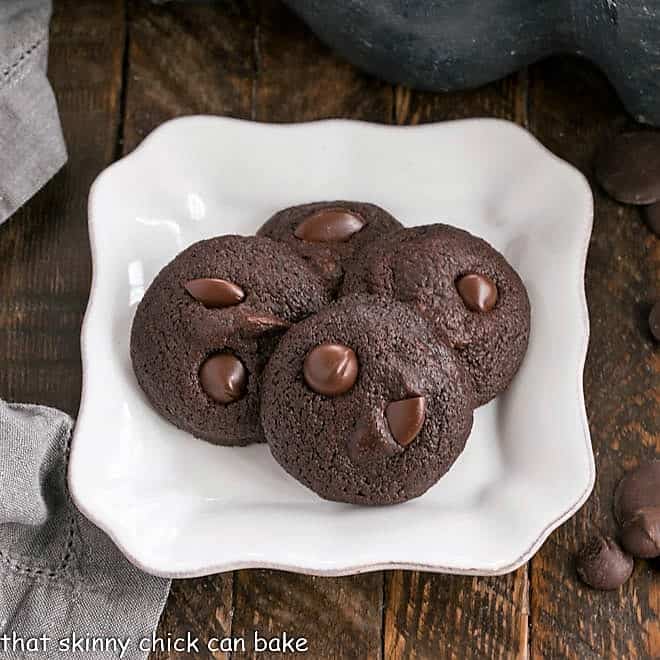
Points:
x=187, y=58
x=504, y=99
x=202, y=608
x=440, y=616
x=299, y=79
x=573, y=110
x=339, y=617
x=45, y=265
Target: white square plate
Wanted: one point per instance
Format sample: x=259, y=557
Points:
x=178, y=506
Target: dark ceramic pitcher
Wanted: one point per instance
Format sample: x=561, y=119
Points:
x=441, y=45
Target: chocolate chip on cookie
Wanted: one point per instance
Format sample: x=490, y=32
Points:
x=327, y=233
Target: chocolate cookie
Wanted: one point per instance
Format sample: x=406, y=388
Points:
x=360, y=405
x=327, y=233
x=207, y=325
x=472, y=298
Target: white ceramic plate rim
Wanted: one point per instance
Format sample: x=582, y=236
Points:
x=79, y=496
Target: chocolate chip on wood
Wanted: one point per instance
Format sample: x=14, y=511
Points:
x=637, y=509
x=602, y=564
x=628, y=167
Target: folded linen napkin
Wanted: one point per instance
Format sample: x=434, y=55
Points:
x=61, y=579
x=31, y=143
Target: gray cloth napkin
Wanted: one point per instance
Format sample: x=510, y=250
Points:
x=31, y=143
x=60, y=576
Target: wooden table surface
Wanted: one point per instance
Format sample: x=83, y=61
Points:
x=118, y=71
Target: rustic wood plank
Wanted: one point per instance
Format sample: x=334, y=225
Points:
x=434, y=616
x=299, y=79
x=45, y=264
x=429, y=615
x=189, y=58
x=504, y=99
x=572, y=110
x=202, y=608
x=338, y=617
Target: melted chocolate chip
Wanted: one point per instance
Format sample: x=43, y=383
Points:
x=329, y=226
x=628, y=167
x=478, y=292
x=602, y=564
x=640, y=535
x=223, y=377
x=330, y=369
x=215, y=293
x=405, y=418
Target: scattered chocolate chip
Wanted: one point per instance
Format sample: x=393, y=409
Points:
x=223, y=377
x=215, y=293
x=654, y=321
x=479, y=292
x=602, y=564
x=405, y=418
x=638, y=489
x=637, y=509
x=628, y=167
x=652, y=215
x=329, y=225
x=331, y=369
x=640, y=535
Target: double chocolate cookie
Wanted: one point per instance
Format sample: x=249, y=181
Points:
x=207, y=325
x=327, y=233
x=362, y=406
x=472, y=298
